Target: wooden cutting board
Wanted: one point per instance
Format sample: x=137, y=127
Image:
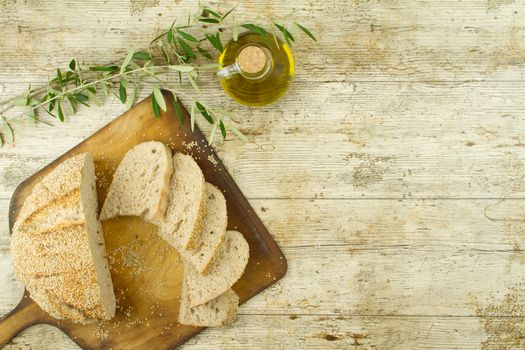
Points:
x=146, y=271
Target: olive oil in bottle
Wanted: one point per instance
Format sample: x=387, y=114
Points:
x=256, y=70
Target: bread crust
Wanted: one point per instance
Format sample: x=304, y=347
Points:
x=51, y=249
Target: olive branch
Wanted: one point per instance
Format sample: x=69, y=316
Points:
x=173, y=50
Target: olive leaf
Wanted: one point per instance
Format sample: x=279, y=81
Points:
x=306, y=31
x=59, y=110
x=181, y=68
x=204, y=112
x=159, y=98
x=192, y=116
x=255, y=28
x=187, y=36
x=212, y=132
x=123, y=94
x=228, y=13
x=127, y=60
x=209, y=20
x=155, y=106
x=187, y=49
x=223, y=129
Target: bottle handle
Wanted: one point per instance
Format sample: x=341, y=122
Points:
x=228, y=71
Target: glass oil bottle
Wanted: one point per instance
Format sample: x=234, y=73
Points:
x=256, y=70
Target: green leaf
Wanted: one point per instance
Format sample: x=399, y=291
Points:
x=306, y=31
x=105, y=89
x=20, y=102
x=181, y=68
x=159, y=98
x=72, y=65
x=194, y=84
x=7, y=131
x=187, y=36
x=209, y=20
x=287, y=35
x=255, y=28
x=132, y=98
x=60, y=113
x=92, y=89
x=94, y=98
x=237, y=133
x=72, y=102
x=103, y=68
x=227, y=13
x=192, y=116
x=204, y=52
x=80, y=97
x=155, y=106
x=142, y=56
x=170, y=36
x=32, y=115
x=165, y=55
x=59, y=77
x=213, y=41
x=52, y=102
x=218, y=41
x=187, y=49
x=127, y=60
x=123, y=94
x=223, y=129
x=212, y=133
x=211, y=12
x=204, y=112
x=235, y=33
x=178, y=111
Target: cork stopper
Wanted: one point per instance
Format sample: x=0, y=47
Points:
x=252, y=59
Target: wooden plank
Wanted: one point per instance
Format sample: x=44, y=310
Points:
x=315, y=332
x=364, y=40
x=412, y=140
x=349, y=281
x=437, y=225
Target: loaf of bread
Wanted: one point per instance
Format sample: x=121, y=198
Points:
x=227, y=268
x=140, y=184
x=186, y=204
x=212, y=232
x=58, y=245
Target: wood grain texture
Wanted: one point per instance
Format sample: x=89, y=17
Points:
x=393, y=169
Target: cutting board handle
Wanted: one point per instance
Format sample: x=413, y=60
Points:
x=27, y=313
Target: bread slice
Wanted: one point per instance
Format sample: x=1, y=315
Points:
x=182, y=223
x=213, y=230
x=227, y=268
x=140, y=183
x=216, y=312
x=58, y=245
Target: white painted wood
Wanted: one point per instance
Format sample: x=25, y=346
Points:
x=391, y=174
x=311, y=332
x=419, y=140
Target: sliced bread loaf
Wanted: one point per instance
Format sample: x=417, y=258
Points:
x=58, y=245
x=182, y=223
x=226, y=269
x=213, y=230
x=140, y=183
x=216, y=312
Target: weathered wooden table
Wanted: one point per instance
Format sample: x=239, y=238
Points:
x=392, y=174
